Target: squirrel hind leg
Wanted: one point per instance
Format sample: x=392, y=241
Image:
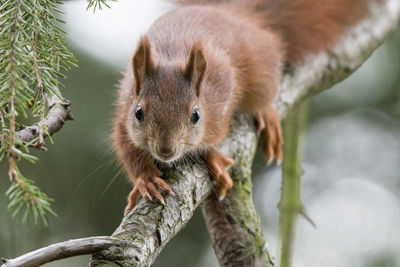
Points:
x=217, y=164
x=268, y=124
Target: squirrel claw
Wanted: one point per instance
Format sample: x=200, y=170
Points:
x=271, y=134
x=218, y=164
x=147, y=188
x=270, y=160
x=148, y=197
x=260, y=124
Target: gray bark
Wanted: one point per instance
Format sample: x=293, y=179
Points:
x=63, y=250
x=233, y=223
x=59, y=113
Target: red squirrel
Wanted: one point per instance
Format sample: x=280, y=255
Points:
x=204, y=60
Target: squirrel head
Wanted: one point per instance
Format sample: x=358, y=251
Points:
x=166, y=117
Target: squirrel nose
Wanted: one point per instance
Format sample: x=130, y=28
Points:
x=165, y=150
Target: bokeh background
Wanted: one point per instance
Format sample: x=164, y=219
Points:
x=351, y=158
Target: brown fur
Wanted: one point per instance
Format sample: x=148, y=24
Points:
x=310, y=26
x=218, y=57
x=305, y=26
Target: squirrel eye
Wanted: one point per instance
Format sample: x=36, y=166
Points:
x=139, y=114
x=195, y=116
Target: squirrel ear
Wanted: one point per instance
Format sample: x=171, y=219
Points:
x=196, y=67
x=142, y=63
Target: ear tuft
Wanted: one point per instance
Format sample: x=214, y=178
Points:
x=142, y=63
x=196, y=67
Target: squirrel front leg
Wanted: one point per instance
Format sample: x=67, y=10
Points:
x=141, y=170
x=146, y=178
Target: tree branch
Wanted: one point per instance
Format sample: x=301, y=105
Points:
x=59, y=113
x=148, y=227
x=233, y=223
x=322, y=71
x=64, y=250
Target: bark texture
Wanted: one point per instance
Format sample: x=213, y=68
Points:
x=233, y=224
x=59, y=113
x=63, y=250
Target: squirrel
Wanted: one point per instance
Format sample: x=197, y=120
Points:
x=201, y=62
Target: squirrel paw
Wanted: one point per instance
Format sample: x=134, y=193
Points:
x=147, y=188
x=268, y=123
x=218, y=164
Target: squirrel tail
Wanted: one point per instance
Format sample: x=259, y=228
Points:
x=306, y=26
x=310, y=26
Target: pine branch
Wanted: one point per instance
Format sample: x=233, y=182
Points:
x=33, y=55
x=98, y=4
x=25, y=197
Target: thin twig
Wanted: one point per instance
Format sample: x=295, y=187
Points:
x=12, y=172
x=64, y=250
x=40, y=89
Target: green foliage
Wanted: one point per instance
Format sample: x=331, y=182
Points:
x=97, y=4
x=33, y=55
x=27, y=199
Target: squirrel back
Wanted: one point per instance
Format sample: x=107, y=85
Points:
x=305, y=26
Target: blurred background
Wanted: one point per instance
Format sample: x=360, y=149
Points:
x=351, y=158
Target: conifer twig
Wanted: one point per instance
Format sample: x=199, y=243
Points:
x=98, y=4
x=33, y=53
